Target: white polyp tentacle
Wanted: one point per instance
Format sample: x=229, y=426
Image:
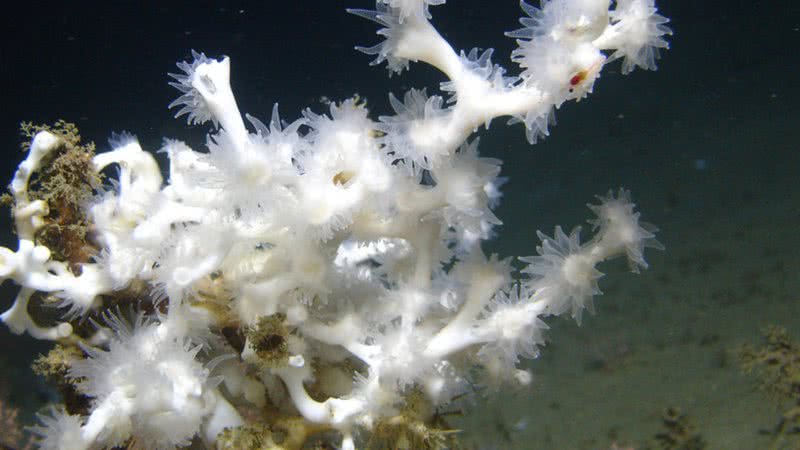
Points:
x=212, y=80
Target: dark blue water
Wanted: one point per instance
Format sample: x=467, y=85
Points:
x=708, y=145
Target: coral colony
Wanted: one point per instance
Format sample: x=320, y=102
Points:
x=322, y=277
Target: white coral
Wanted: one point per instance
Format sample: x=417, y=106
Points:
x=192, y=104
x=637, y=33
x=563, y=275
x=58, y=430
x=620, y=228
x=149, y=385
x=359, y=241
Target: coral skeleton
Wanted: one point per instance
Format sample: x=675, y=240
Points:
x=326, y=274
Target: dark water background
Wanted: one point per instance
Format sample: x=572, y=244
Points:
x=708, y=145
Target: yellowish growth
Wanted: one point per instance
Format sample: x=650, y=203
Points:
x=341, y=178
x=255, y=437
x=359, y=101
x=213, y=294
x=776, y=364
x=679, y=433
x=286, y=433
x=332, y=379
x=55, y=367
x=68, y=132
x=268, y=337
x=416, y=427
x=12, y=436
x=66, y=182
x=6, y=200
x=55, y=364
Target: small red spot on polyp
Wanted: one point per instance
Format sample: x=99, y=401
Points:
x=577, y=78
